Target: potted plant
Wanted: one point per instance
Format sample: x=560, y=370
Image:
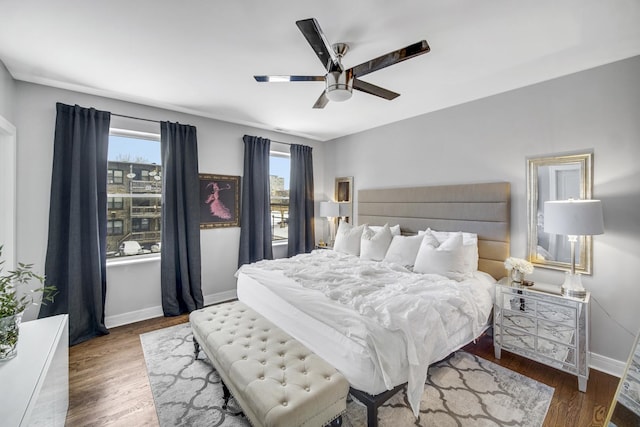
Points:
x=13, y=302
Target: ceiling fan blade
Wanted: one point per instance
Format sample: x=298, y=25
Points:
x=277, y=79
x=391, y=58
x=322, y=100
x=319, y=43
x=374, y=90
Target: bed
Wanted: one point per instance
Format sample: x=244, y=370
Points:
x=380, y=351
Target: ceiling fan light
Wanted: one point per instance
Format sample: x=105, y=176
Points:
x=339, y=93
x=338, y=88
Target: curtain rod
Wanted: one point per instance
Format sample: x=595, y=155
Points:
x=158, y=121
x=135, y=118
x=280, y=142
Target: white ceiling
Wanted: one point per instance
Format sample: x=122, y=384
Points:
x=199, y=56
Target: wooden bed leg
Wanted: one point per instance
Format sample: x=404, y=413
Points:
x=196, y=348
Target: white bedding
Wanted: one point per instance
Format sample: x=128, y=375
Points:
x=390, y=321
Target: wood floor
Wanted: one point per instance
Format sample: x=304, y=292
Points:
x=108, y=384
x=569, y=406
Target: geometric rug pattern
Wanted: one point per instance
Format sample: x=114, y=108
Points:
x=463, y=390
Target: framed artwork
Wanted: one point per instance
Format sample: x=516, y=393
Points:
x=219, y=201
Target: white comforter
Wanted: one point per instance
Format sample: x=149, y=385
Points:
x=424, y=308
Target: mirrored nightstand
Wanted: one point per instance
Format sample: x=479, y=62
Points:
x=540, y=324
x=324, y=247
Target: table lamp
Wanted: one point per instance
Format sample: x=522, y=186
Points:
x=573, y=218
x=330, y=210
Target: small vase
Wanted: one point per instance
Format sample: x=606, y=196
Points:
x=517, y=276
x=9, y=329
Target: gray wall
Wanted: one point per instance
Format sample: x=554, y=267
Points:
x=7, y=169
x=7, y=93
x=134, y=287
x=489, y=139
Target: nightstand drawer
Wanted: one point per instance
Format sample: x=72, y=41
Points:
x=564, y=314
x=558, y=313
x=557, y=354
x=514, y=320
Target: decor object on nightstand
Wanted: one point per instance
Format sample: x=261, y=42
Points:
x=518, y=267
x=330, y=210
x=573, y=218
x=13, y=302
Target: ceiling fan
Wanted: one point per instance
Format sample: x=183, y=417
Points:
x=340, y=82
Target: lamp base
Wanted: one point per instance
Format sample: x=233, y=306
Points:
x=572, y=286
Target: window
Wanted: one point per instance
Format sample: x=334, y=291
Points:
x=115, y=203
x=134, y=194
x=140, y=224
x=279, y=172
x=114, y=227
x=115, y=176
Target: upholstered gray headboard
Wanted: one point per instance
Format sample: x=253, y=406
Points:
x=484, y=209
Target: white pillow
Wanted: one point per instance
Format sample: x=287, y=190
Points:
x=374, y=244
x=348, y=238
x=470, y=246
x=446, y=258
x=403, y=250
x=395, y=230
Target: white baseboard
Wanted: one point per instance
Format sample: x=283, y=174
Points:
x=220, y=297
x=607, y=365
x=133, y=316
x=152, y=312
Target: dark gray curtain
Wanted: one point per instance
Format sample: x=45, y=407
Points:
x=76, y=250
x=301, y=222
x=255, y=219
x=180, y=256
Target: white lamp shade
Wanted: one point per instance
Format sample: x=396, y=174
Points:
x=573, y=217
x=329, y=209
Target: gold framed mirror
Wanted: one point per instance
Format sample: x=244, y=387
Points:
x=625, y=407
x=344, y=196
x=559, y=177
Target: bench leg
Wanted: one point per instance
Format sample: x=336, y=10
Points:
x=226, y=395
x=336, y=423
x=196, y=348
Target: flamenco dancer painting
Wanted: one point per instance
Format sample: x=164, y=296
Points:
x=219, y=201
x=216, y=206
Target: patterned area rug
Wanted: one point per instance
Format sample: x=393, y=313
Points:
x=463, y=390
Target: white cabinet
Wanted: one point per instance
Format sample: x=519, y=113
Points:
x=34, y=386
x=544, y=326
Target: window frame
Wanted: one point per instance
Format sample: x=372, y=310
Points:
x=122, y=259
x=278, y=152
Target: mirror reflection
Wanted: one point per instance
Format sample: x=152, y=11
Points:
x=625, y=408
x=344, y=196
x=557, y=178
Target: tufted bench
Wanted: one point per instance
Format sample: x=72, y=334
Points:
x=277, y=381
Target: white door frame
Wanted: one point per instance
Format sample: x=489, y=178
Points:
x=8, y=193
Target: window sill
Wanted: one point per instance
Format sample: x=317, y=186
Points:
x=280, y=243
x=130, y=260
